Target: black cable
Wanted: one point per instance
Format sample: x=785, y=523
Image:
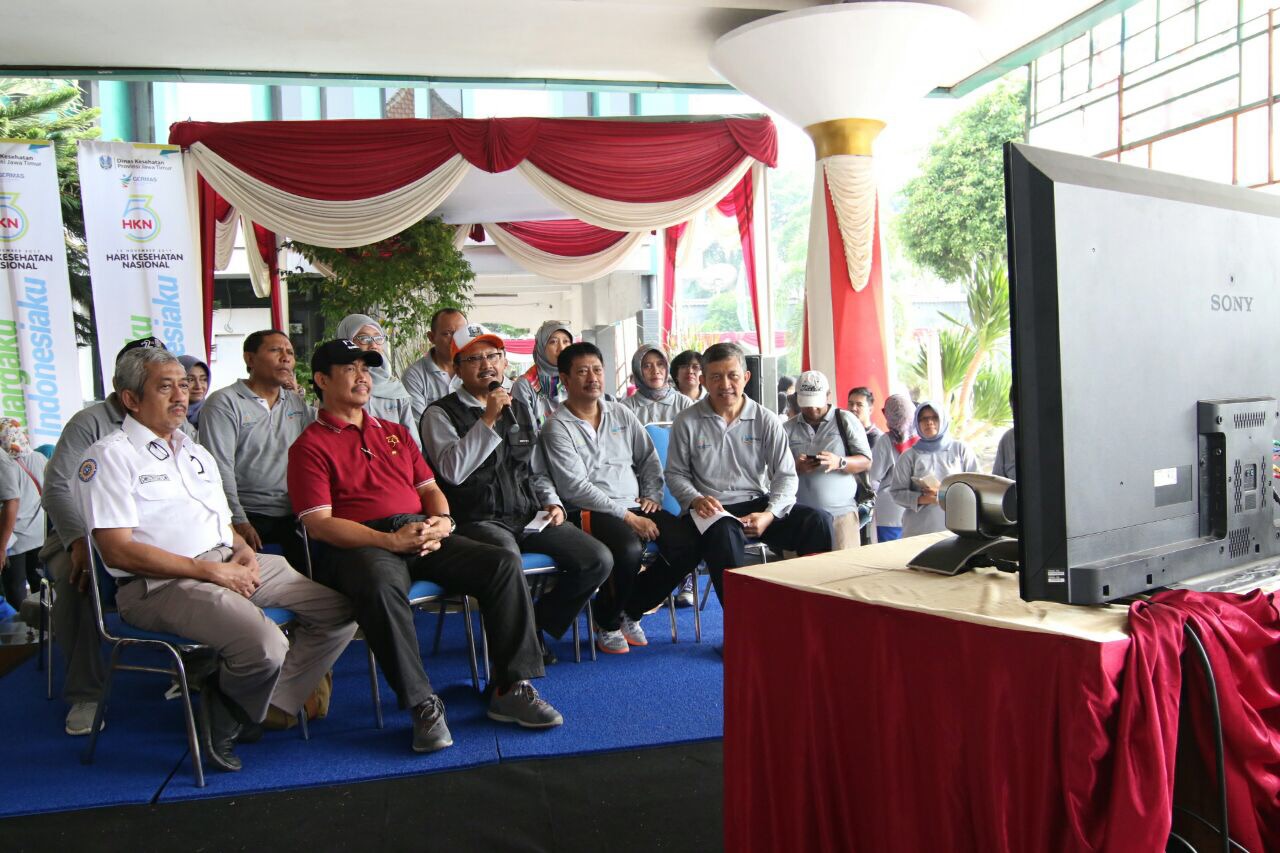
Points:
x=1217, y=730
x=1173, y=836
x=1189, y=813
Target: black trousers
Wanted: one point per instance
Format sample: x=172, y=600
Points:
x=281, y=530
x=629, y=590
x=804, y=529
x=584, y=565
x=377, y=582
x=21, y=572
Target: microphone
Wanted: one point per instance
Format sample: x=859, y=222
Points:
x=494, y=386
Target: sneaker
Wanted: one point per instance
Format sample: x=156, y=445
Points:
x=430, y=731
x=522, y=704
x=80, y=718
x=611, y=642
x=633, y=633
x=684, y=598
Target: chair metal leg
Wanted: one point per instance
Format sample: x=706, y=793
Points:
x=577, y=642
x=471, y=642
x=302, y=724
x=484, y=638
x=193, y=743
x=591, y=629
x=46, y=634
x=697, y=611
x=373, y=687
x=87, y=756
x=671, y=611
x=706, y=593
x=435, y=648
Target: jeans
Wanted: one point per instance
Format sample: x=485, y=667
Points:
x=22, y=572
x=888, y=534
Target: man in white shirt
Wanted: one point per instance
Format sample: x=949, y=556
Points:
x=153, y=503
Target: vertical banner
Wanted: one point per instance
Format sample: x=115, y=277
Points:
x=39, y=366
x=142, y=257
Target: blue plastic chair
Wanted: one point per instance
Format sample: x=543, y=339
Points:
x=539, y=567
x=120, y=635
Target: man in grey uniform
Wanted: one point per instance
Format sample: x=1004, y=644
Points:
x=153, y=500
x=432, y=376
x=66, y=558
x=729, y=458
x=606, y=468
x=248, y=428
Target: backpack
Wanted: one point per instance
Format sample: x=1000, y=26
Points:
x=865, y=497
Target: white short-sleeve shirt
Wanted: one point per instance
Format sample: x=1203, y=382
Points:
x=169, y=493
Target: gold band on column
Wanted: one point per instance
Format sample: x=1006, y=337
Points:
x=844, y=136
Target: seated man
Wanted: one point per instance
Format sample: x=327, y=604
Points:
x=361, y=487
x=248, y=427
x=483, y=445
x=153, y=502
x=604, y=465
x=67, y=556
x=729, y=455
x=830, y=449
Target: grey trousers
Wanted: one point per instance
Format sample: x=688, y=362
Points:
x=257, y=664
x=74, y=629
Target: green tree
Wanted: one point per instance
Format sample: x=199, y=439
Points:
x=953, y=211
x=54, y=110
x=401, y=281
x=790, y=196
x=722, y=313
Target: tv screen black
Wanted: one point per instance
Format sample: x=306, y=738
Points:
x=1144, y=310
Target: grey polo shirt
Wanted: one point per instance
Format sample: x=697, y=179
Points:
x=602, y=470
x=250, y=442
x=426, y=382
x=28, y=532
x=11, y=490
x=733, y=463
x=455, y=457
x=835, y=491
x=655, y=411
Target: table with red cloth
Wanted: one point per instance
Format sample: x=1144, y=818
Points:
x=872, y=707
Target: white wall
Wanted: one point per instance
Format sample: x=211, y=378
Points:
x=230, y=328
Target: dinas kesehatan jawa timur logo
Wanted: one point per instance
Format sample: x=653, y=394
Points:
x=13, y=221
x=139, y=222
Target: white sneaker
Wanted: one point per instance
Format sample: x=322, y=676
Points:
x=611, y=642
x=633, y=633
x=80, y=718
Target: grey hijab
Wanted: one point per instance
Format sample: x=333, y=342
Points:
x=385, y=385
x=548, y=371
x=637, y=375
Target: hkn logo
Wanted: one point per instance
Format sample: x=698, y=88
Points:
x=139, y=222
x=13, y=221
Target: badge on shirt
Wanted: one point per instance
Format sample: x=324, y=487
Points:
x=88, y=469
x=393, y=441
x=143, y=479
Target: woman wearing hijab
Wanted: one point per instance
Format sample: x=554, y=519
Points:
x=899, y=412
x=686, y=369
x=26, y=467
x=539, y=388
x=656, y=400
x=198, y=376
x=922, y=468
x=388, y=399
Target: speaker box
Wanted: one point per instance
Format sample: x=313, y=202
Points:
x=763, y=384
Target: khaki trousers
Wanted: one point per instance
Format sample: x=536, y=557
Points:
x=258, y=665
x=847, y=533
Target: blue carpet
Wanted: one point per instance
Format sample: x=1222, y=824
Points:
x=656, y=695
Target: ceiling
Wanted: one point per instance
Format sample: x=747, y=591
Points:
x=631, y=41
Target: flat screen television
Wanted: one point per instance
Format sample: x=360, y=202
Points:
x=1145, y=307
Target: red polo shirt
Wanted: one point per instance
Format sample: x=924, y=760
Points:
x=360, y=473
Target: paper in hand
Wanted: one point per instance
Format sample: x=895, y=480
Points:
x=928, y=481
x=703, y=523
x=538, y=522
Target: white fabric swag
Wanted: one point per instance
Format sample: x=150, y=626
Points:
x=851, y=179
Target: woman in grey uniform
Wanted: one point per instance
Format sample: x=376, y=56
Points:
x=919, y=471
x=899, y=412
x=539, y=387
x=388, y=399
x=656, y=400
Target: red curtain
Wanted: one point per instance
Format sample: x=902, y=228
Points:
x=741, y=203
x=266, y=245
x=568, y=238
x=671, y=242
x=631, y=161
x=213, y=209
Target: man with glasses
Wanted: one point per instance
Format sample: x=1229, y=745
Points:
x=361, y=487
x=482, y=445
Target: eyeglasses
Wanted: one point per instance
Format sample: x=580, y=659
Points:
x=482, y=358
x=369, y=340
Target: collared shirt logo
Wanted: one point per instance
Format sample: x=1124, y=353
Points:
x=88, y=469
x=393, y=441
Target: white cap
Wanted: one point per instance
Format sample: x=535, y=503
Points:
x=474, y=333
x=811, y=390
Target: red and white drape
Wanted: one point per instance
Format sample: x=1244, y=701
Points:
x=350, y=183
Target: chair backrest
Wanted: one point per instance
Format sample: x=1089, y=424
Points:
x=661, y=436
x=102, y=587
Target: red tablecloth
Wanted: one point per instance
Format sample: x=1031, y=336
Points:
x=854, y=726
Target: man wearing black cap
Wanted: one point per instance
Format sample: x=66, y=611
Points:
x=65, y=555
x=361, y=486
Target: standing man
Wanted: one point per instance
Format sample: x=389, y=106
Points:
x=830, y=449
x=153, y=501
x=862, y=403
x=66, y=556
x=361, y=487
x=729, y=455
x=483, y=447
x=605, y=466
x=248, y=428
x=431, y=377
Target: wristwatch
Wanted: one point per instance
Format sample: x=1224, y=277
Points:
x=453, y=524
x=844, y=460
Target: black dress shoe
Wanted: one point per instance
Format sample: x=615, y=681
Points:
x=249, y=733
x=217, y=728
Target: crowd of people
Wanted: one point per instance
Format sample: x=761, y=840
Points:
x=447, y=474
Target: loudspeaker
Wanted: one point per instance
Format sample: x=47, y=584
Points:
x=763, y=384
